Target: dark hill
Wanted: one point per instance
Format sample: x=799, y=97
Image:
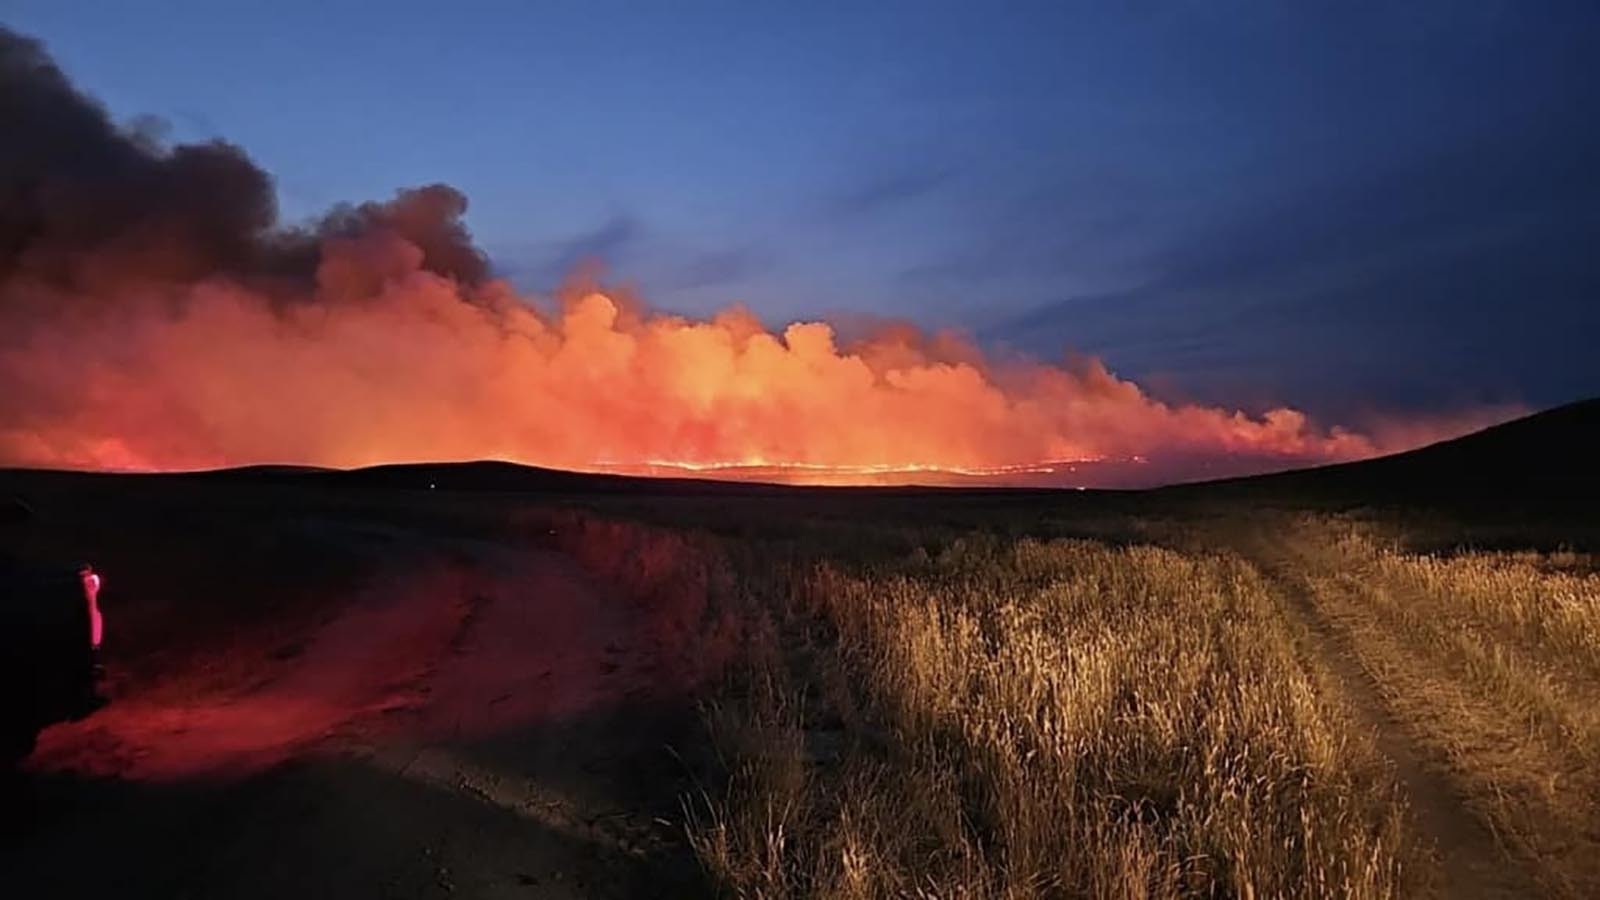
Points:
x=495, y=475
x=1548, y=458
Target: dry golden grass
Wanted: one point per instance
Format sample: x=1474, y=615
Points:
x=1022, y=718
x=1042, y=719
x=1493, y=661
x=678, y=580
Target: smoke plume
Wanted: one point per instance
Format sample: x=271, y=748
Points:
x=155, y=314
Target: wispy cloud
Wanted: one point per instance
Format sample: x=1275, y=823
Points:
x=886, y=190
x=544, y=264
x=715, y=268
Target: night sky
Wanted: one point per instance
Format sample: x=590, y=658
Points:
x=1351, y=207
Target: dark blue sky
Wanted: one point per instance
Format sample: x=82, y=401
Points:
x=1347, y=206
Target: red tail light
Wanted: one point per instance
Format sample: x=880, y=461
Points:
x=91, y=596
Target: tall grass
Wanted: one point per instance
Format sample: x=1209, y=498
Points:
x=1042, y=719
x=679, y=583
x=1493, y=659
x=1545, y=605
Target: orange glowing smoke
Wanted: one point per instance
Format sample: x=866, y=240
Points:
x=215, y=375
x=154, y=314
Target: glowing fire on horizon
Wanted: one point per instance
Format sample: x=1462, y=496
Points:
x=421, y=369
x=156, y=315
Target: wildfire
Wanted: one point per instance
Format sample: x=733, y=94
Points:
x=216, y=375
x=154, y=315
x=789, y=472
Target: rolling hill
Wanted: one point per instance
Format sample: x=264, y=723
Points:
x=1548, y=458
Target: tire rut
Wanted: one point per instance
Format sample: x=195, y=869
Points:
x=1473, y=862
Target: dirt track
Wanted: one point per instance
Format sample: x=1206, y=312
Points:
x=491, y=723
x=1472, y=862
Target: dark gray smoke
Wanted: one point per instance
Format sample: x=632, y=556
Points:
x=87, y=204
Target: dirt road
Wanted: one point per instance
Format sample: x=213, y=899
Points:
x=1472, y=861
x=490, y=723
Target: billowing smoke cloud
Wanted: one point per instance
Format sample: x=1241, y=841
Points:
x=87, y=205
x=154, y=314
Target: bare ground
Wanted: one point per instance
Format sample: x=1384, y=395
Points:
x=489, y=723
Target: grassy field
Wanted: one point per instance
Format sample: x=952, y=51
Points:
x=1242, y=693
x=1493, y=662
x=1258, y=704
